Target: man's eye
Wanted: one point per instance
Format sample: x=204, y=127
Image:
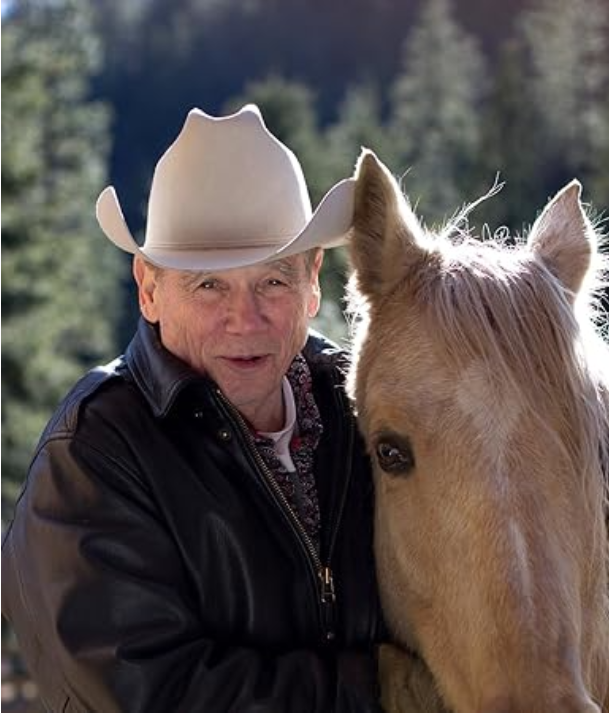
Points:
x=208, y=284
x=275, y=282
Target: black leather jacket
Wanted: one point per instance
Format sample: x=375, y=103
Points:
x=152, y=566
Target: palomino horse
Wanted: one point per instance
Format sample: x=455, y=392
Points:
x=481, y=390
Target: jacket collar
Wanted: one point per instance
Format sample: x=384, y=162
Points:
x=161, y=376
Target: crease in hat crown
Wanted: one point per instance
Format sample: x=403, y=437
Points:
x=227, y=193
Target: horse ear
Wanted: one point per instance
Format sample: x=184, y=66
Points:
x=386, y=234
x=563, y=237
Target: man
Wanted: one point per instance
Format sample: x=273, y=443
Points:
x=195, y=530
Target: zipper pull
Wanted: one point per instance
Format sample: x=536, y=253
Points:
x=328, y=601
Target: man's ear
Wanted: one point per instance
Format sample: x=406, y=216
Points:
x=146, y=278
x=315, y=297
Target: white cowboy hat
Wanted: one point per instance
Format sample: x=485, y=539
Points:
x=227, y=194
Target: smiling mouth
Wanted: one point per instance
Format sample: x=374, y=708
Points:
x=246, y=361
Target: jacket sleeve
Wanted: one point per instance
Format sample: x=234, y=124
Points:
x=97, y=592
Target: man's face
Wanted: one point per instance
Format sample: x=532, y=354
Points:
x=241, y=327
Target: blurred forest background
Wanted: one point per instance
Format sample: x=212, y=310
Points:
x=448, y=94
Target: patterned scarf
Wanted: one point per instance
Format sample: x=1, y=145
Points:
x=299, y=488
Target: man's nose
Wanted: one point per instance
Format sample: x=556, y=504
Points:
x=244, y=312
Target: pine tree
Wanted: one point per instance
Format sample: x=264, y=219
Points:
x=510, y=136
x=359, y=124
x=59, y=274
x=567, y=45
x=436, y=106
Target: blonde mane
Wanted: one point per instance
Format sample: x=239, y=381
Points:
x=502, y=306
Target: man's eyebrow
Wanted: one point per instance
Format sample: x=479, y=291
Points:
x=287, y=266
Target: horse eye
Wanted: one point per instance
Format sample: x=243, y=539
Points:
x=394, y=458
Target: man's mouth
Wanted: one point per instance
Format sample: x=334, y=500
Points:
x=248, y=358
x=246, y=361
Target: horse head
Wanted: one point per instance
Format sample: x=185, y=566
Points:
x=481, y=390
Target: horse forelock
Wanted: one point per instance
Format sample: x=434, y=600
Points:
x=498, y=306
x=502, y=308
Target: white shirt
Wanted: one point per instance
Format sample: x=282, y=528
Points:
x=282, y=438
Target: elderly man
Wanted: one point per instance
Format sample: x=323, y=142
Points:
x=195, y=530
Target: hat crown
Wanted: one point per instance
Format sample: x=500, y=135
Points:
x=228, y=194
x=226, y=181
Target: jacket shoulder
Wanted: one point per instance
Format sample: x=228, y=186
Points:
x=65, y=419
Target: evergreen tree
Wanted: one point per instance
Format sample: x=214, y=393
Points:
x=436, y=107
x=510, y=136
x=359, y=124
x=59, y=274
x=567, y=45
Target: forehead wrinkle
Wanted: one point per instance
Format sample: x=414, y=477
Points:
x=288, y=266
x=190, y=278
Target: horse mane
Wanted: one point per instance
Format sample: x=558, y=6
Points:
x=501, y=305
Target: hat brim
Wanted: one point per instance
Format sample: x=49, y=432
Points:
x=328, y=228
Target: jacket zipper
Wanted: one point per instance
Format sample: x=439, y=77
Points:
x=325, y=579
